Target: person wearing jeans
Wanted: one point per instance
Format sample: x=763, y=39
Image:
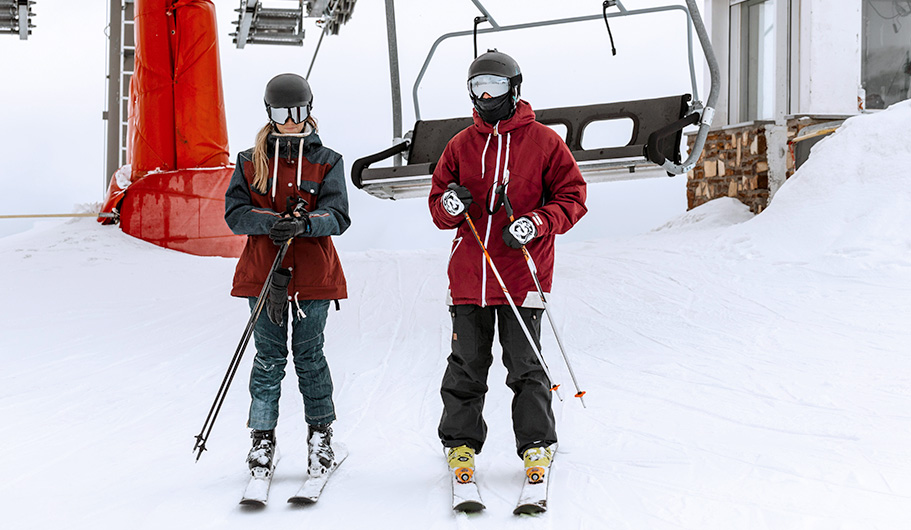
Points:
x=288, y=192
x=313, y=378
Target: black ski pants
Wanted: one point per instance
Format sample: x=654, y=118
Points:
x=465, y=380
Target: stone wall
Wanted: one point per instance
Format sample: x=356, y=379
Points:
x=735, y=162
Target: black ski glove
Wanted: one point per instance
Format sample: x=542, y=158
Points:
x=519, y=232
x=288, y=227
x=456, y=199
x=277, y=297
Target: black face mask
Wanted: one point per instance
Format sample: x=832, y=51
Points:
x=495, y=109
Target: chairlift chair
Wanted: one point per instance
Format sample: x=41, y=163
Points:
x=653, y=149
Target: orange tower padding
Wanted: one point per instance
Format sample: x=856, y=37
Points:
x=177, y=128
x=182, y=210
x=177, y=114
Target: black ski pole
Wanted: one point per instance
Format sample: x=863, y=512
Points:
x=534, y=274
x=203, y=435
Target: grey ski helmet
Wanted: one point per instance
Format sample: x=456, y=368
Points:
x=497, y=63
x=500, y=106
x=288, y=91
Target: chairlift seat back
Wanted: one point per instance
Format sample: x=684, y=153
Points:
x=429, y=139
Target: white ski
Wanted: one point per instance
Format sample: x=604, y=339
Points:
x=310, y=491
x=256, y=494
x=465, y=495
x=533, y=498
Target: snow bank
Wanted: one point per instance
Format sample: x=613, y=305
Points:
x=850, y=199
x=719, y=213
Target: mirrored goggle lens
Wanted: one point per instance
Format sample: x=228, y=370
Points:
x=494, y=85
x=281, y=114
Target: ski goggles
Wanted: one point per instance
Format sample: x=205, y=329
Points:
x=495, y=85
x=281, y=114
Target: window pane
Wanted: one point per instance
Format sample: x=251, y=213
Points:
x=886, y=64
x=758, y=60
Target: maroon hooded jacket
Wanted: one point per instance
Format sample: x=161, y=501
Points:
x=308, y=170
x=543, y=183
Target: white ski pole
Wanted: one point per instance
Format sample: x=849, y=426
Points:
x=553, y=387
x=534, y=274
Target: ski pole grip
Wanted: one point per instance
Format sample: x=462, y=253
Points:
x=506, y=203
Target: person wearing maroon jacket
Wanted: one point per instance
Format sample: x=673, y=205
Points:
x=289, y=165
x=505, y=152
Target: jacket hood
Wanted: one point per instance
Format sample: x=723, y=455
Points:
x=288, y=145
x=523, y=116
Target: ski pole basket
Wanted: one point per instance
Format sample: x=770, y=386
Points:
x=653, y=149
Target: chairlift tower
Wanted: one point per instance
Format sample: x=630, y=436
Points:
x=121, y=65
x=16, y=17
x=274, y=22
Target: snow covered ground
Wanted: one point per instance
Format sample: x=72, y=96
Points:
x=742, y=372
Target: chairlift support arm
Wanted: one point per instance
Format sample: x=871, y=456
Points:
x=555, y=22
x=702, y=116
x=652, y=151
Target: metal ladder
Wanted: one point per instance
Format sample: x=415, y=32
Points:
x=121, y=65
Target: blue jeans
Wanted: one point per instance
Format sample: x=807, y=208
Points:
x=313, y=378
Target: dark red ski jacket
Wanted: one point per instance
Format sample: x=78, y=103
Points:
x=308, y=170
x=543, y=183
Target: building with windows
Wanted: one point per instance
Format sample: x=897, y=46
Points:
x=791, y=72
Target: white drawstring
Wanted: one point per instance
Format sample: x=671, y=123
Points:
x=300, y=161
x=484, y=156
x=275, y=171
x=300, y=312
x=506, y=164
x=300, y=157
x=496, y=175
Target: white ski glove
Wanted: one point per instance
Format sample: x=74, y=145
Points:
x=519, y=232
x=456, y=199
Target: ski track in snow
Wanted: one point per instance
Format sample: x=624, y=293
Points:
x=712, y=396
x=741, y=372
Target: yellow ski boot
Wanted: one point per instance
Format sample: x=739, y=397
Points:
x=461, y=462
x=537, y=462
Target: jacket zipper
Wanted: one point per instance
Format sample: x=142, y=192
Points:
x=496, y=180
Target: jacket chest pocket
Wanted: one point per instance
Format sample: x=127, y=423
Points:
x=309, y=191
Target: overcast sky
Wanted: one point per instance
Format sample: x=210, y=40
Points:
x=53, y=96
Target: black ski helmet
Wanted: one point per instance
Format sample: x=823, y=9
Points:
x=497, y=63
x=288, y=90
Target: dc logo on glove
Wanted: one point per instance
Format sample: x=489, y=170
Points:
x=456, y=199
x=519, y=232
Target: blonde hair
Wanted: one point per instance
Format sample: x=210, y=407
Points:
x=261, y=154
